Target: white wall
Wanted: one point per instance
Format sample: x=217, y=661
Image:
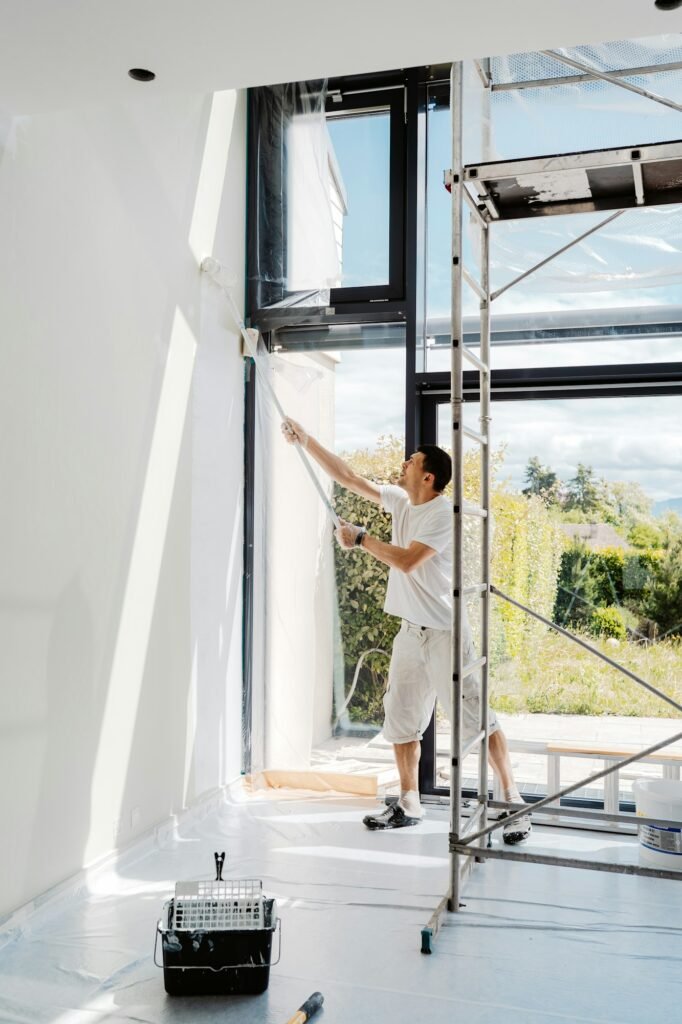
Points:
x=121, y=467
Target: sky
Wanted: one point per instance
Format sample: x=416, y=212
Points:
x=636, y=261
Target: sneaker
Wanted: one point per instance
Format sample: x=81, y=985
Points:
x=516, y=831
x=393, y=817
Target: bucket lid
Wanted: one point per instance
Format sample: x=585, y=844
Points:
x=663, y=790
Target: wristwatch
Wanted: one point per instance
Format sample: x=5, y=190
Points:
x=360, y=537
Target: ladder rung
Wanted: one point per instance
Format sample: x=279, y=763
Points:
x=474, y=359
x=473, y=283
x=476, y=588
x=473, y=820
x=474, y=435
x=474, y=510
x=473, y=666
x=472, y=743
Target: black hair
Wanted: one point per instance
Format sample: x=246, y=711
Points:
x=437, y=462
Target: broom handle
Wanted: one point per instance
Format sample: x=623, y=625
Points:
x=211, y=267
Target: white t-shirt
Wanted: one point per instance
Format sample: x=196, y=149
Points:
x=422, y=596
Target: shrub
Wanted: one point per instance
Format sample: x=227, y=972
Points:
x=361, y=586
x=662, y=596
x=608, y=622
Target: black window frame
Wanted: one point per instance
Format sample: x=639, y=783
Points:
x=423, y=390
x=392, y=99
x=390, y=303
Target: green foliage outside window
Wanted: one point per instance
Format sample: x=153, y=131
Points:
x=623, y=596
x=526, y=551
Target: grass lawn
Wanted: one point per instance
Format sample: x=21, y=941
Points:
x=555, y=676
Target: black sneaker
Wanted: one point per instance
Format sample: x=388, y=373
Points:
x=393, y=817
x=516, y=831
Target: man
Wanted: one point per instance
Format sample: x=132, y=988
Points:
x=418, y=592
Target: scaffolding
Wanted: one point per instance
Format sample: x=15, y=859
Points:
x=599, y=180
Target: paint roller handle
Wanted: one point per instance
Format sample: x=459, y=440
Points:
x=310, y=1006
x=213, y=269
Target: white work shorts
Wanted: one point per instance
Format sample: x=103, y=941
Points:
x=420, y=672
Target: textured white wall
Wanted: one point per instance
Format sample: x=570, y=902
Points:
x=121, y=466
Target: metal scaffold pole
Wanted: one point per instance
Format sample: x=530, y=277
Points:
x=486, y=524
x=456, y=408
x=459, y=864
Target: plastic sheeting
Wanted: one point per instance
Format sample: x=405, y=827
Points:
x=293, y=251
x=575, y=116
x=634, y=261
x=639, y=251
x=533, y=944
x=294, y=582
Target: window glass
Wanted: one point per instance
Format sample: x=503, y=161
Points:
x=326, y=639
x=360, y=193
x=587, y=507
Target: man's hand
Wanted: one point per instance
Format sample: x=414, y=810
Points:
x=346, y=534
x=294, y=433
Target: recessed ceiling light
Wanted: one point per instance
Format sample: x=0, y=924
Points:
x=668, y=5
x=142, y=75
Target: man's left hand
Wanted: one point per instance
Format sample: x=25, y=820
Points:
x=346, y=534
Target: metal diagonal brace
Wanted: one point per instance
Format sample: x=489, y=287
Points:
x=473, y=283
x=527, y=808
x=606, y=77
x=544, y=83
x=484, y=72
x=564, y=248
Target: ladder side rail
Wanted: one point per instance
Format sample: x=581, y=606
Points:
x=456, y=402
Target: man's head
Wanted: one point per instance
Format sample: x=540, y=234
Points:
x=428, y=471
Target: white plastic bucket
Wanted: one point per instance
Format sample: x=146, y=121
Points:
x=662, y=799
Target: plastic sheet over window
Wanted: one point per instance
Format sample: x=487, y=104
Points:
x=576, y=114
x=293, y=252
x=318, y=616
x=634, y=262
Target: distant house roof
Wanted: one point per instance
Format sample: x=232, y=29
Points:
x=595, y=535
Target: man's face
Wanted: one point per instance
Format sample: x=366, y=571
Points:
x=412, y=470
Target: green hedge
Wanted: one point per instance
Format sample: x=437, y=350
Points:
x=610, y=577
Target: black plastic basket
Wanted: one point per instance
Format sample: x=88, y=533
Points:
x=216, y=938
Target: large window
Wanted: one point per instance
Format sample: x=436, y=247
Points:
x=587, y=489
x=322, y=641
x=587, y=531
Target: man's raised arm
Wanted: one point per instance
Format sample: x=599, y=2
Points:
x=335, y=467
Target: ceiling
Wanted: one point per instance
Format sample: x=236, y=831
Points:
x=64, y=53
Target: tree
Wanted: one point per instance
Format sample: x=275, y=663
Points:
x=542, y=481
x=663, y=592
x=629, y=503
x=584, y=492
x=645, y=535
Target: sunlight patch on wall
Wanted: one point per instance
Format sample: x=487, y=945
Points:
x=120, y=713
x=212, y=175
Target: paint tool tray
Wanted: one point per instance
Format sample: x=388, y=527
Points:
x=216, y=937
